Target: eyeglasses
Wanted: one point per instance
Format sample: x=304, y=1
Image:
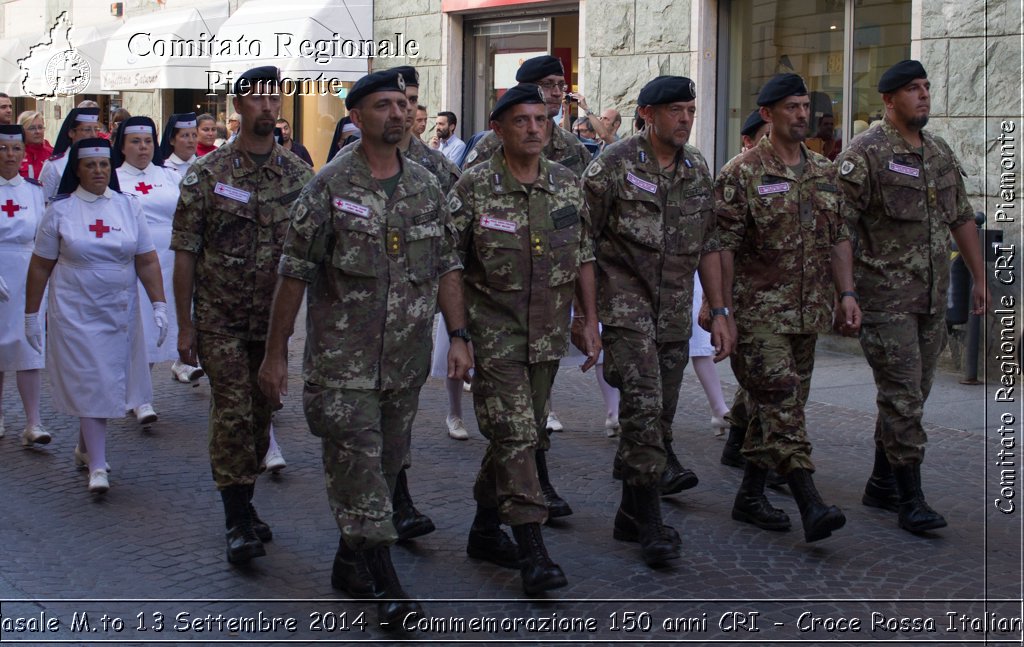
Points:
x=551, y=85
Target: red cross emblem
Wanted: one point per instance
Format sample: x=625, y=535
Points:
x=143, y=188
x=99, y=228
x=10, y=207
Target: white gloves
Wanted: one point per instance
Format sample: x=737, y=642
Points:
x=34, y=331
x=160, y=317
x=5, y=293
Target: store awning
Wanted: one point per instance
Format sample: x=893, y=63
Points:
x=91, y=43
x=307, y=39
x=164, y=49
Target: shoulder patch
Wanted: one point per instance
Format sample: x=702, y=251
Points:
x=472, y=156
x=594, y=169
x=190, y=179
x=729, y=192
x=454, y=204
x=300, y=211
x=846, y=167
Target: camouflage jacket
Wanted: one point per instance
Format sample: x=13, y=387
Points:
x=234, y=215
x=900, y=205
x=563, y=148
x=522, y=250
x=781, y=230
x=372, y=264
x=650, y=229
x=430, y=159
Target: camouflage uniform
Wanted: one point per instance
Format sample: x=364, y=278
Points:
x=781, y=229
x=373, y=265
x=233, y=216
x=432, y=160
x=650, y=229
x=563, y=148
x=522, y=249
x=900, y=205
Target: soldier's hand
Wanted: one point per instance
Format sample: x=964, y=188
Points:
x=460, y=359
x=592, y=345
x=273, y=379
x=980, y=298
x=187, y=352
x=722, y=337
x=847, y=318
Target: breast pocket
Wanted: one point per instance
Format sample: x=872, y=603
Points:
x=564, y=245
x=686, y=226
x=639, y=218
x=904, y=196
x=232, y=228
x=826, y=202
x=501, y=257
x=358, y=246
x=946, y=194
x=776, y=220
x=423, y=251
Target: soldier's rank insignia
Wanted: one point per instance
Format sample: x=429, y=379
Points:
x=729, y=193
x=846, y=167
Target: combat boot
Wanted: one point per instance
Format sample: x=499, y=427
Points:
x=752, y=506
x=409, y=522
x=880, y=491
x=627, y=528
x=538, y=571
x=675, y=478
x=731, y=454
x=557, y=506
x=915, y=513
x=819, y=520
x=350, y=573
x=242, y=542
x=394, y=607
x=259, y=526
x=656, y=545
x=487, y=541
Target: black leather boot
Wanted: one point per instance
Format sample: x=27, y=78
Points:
x=557, y=506
x=752, y=506
x=394, y=605
x=409, y=522
x=627, y=528
x=487, y=541
x=915, y=513
x=350, y=573
x=675, y=478
x=819, y=519
x=880, y=491
x=259, y=526
x=538, y=571
x=731, y=454
x=242, y=542
x=656, y=546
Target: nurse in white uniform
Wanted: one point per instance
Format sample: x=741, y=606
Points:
x=92, y=247
x=178, y=145
x=141, y=173
x=81, y=123
x=21, y=209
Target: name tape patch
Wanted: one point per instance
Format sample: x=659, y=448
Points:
x=351, y=207
x=233, y=193
x=904, y=170
x=498, y=224
x=649, y=187
x=768, y=189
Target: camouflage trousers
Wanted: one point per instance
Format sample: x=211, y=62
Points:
x=902, y=350
x=739, y=413
x=365, y=438
x=648, y=375
x=239, y=431
x=511, y=401
x=775, y=371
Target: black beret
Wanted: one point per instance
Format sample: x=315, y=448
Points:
x=901, y=74
x=250, y=79
x=667, y=89
x=522, y=93
x=781, y=86
x=409, y=74
x=12, y=132
x=383, y=81
x=536, y=68
x=752, y=123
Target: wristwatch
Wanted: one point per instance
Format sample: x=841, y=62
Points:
x=849, y=293
x=461, y=333
x=723, y=312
